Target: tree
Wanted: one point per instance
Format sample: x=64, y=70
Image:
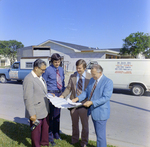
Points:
x=2, y=46
x=136, y=43
x=9, y=49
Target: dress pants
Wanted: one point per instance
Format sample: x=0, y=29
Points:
x=54, y=121
x=100, y=130
x=39, y=135
x=81, y=113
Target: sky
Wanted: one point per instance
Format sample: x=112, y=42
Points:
x=92, y=23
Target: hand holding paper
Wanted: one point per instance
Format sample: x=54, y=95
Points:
x=88, y=103
x=75, y=100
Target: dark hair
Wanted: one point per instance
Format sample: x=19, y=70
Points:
x=55, y=57
x=81, y=61
x=97, y=67
x=38, y=63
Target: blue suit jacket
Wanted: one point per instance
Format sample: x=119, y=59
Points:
x=100, y=110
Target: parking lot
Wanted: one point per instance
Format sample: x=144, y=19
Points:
x=128, y=126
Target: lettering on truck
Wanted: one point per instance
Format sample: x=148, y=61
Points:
x=123, y=68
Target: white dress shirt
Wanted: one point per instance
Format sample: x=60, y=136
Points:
x=40, y=78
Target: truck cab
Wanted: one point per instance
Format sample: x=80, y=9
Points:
x=14, y=73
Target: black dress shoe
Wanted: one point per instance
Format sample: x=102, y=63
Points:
x=53, y=143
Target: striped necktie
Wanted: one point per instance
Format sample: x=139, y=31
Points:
x=79, y=88
x=59, y=82
x=93, y=89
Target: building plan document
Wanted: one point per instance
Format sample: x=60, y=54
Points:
x=62, y=103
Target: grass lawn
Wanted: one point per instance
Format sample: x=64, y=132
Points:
x=18, y=135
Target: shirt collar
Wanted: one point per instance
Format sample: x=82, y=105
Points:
x=83, y=75
x=34, y=75
x=54, y=66
x=99, y=78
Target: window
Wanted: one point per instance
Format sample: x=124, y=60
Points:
x=29, y=64
x=91, y=64
x=2, y=62
x=15, y=66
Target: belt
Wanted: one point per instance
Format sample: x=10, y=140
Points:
x=54, y=91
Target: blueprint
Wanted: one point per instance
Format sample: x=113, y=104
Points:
x=62, y=103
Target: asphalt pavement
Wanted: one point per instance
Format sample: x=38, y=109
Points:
x=128, y=126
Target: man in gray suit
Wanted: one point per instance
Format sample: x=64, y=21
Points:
x=37, y=105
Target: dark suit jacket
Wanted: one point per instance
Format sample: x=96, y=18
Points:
x=71, y=87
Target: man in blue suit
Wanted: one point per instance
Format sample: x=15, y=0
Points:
x=98, y=91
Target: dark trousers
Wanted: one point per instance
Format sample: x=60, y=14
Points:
x=54, y=121
x=81, y=113
x=39, y=135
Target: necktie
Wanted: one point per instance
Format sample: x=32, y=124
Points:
x=59, y=82
x=79, y=88
x=95, y=84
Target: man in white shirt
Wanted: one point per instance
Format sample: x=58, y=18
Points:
x=36, y=103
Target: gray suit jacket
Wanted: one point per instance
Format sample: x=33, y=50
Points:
x=35, y=100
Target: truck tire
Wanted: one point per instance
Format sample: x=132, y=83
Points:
x=137, y=90
x=3, y=79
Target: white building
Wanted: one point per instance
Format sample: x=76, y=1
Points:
x=73, y=52
x=4, y=61
x=70, y=52
x=140, y=56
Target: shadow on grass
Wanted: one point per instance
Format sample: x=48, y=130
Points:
x=67, y=138
x=17, y=132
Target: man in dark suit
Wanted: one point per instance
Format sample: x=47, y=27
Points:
x=98, y=91
x=37, y=105
x=78, y=83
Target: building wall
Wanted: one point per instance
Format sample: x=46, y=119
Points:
x=24, y=52
x=41, y=53
x=30, y=51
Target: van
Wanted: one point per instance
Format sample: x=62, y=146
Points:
x=133, y=74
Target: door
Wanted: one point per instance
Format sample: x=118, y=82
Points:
x=13, y=73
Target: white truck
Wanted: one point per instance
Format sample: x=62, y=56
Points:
x=131, y=74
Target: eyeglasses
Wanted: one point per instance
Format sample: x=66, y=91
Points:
x=42, y=69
